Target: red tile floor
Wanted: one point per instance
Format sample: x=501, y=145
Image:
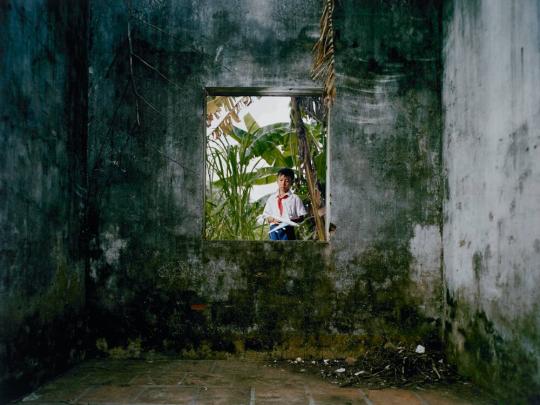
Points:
x=223, y=382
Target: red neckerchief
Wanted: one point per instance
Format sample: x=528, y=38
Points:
x=280, y=203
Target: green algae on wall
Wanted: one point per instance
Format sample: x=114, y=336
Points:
x=273, y=297
x=486, y=356
x=380, y=299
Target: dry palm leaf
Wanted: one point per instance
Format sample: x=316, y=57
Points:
x=323, y=54
x=225, y=109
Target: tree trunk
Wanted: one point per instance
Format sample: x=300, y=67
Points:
x=305, y=158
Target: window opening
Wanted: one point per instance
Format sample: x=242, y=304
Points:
x=249, y=139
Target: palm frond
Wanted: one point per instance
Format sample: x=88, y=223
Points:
x=323, y=54
x=226, y=109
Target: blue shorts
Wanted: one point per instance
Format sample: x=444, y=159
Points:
x=286, y=233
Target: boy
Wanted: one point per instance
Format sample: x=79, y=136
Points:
x=284, y=204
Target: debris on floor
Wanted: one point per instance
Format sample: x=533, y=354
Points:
x=380, y=367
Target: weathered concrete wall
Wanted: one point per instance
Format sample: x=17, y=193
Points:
x=492, y=211
x=380, y=274
x=385, y=142
x=43, y=111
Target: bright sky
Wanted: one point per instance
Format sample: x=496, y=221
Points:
x=266, y=111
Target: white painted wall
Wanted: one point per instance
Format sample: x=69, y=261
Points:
x=491, y=96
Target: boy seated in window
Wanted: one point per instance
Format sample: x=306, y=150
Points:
x=284, y=206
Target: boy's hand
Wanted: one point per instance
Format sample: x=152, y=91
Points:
x=272, y=220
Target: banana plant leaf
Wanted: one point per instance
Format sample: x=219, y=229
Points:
x=250, y=123
x=238, y=134
x=263, y=175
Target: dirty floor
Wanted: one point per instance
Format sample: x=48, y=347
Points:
x=224, y=382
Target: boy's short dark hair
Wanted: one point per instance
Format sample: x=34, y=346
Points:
x=289, y=173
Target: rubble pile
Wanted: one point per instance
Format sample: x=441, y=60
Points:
x=380, y=367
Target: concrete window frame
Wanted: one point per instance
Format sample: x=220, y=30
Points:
x=269, y=92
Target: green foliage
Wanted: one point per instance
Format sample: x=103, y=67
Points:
x=240, y=160
x=233, y=170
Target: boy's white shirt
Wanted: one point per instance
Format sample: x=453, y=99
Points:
x=292, y=206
